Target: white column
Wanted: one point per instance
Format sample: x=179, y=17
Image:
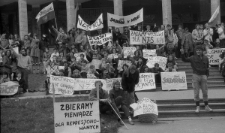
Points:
x=23, y=20
x=167, y=12
x=118, y=9
x=71, y=14
x=214, y=5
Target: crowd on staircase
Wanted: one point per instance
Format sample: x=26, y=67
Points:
x=21, y=55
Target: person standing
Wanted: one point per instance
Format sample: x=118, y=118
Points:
x=24, y=64
x=129, y=79
x=200, y=66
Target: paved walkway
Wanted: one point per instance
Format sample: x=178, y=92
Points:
x=181, y=125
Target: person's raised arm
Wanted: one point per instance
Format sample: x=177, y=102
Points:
x=56, y=31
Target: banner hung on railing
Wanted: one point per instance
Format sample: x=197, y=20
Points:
x=214, y=55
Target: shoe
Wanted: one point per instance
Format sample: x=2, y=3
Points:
x=197, y=109
x=130, y=121
x=121, y=123
x=208, y=109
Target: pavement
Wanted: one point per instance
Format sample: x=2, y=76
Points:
x=178, y=125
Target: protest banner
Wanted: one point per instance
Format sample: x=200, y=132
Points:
x=100, y=39
x=173, y=80
x=146, y=82
x=109, y=83
x=98, y=24
x=157, y=59
x=149, y=53
x=122, y=62
x=77, y=56
x=87, y=84
x=9, y=88
x=83, y=117
x=122, y=21
x=144, y=106
x=61, y=67
x=96, y=63
x=214, y=55
x=62, y=85
x=141, y=38
x=128, y=51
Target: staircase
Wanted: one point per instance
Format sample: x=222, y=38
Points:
x=186, y=108
x=215, y=79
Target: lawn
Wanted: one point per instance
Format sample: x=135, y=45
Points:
x=36, y=116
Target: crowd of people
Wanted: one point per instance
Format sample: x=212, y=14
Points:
x=32, y=51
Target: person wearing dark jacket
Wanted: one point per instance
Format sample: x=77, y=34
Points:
x=200, y=65
x=129, y=79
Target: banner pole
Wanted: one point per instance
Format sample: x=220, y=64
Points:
x=53, y=94
x=118, y=115
x=56, y=22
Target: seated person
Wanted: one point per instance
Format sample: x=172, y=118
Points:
x=4, y=77
x=22, y=83
x=170, y=67
x=103, y=97
x=171, y=58
x=117, y=97
x=157, y=70
x=92, y=70
x=82, y=59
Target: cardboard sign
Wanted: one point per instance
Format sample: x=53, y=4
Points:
x=100, y=39
x=62, y=85
x=77, y=117
x=149, y=53
x=122, y=21
x=157, y=59
x=98, y=24
x=9, y=88
x=173, y=81
x=214, y=55
x=146, y=82
x=109, y=83
x=128, y=51
x=141, y=38
x=88, y=84
x=122, y=62
x=144, y=106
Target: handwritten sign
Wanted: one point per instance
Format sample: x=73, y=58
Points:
x=98, y=24
x=109, y=82
x=173, y=81
x=100, y=39
x=122, y=21
x=113, y=56
x=70, y=117
x=122, y=62
x=141, y=38
x=214, y=55
x=128, y=51
x=146, y=82
x=149, y=53
x=157, y=59
x=87, y=84
x=62, y=85
x=144, y=106
x=8, y=88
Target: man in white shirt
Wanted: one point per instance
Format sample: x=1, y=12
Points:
x=208, y=33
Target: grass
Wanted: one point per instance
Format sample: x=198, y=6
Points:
x=36, y=116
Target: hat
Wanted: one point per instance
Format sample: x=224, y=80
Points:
x=199, y=47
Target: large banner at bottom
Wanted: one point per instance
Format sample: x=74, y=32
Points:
x=9, y=88
x=83, y=117
x=174, y=81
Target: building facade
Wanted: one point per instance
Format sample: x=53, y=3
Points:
x=18, y=16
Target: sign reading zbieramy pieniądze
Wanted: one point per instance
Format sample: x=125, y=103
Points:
x=121, y=21
x=173, y=80
x=83, y=115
